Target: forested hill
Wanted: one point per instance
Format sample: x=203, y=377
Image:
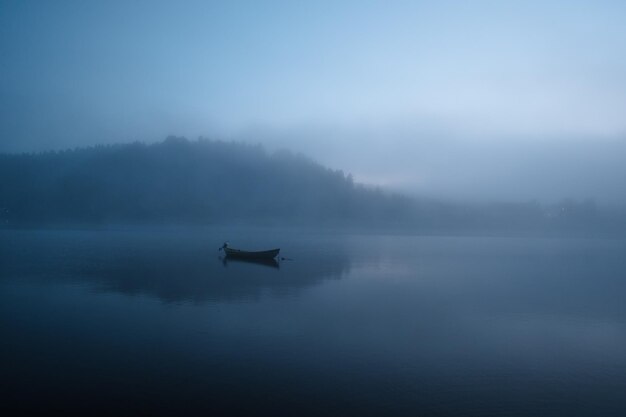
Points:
x=206, y=182
x=184, y=181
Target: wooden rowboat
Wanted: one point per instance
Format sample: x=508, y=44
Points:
x=237, y=253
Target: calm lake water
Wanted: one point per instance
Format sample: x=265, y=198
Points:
x=150, y=322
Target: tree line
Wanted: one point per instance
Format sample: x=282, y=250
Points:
x=212, y=181
x=178, y=180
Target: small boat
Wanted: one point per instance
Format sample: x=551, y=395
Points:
x=242, y=254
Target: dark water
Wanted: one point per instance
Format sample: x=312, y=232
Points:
x=154, y=323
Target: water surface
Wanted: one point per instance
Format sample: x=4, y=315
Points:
x=153, y=322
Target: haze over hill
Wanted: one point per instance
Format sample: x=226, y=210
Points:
x=208, y=182
x=182, y=181
x=476, y=101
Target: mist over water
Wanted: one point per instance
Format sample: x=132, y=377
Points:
x=440, y=163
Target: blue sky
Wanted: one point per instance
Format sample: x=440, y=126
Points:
x=357, y=75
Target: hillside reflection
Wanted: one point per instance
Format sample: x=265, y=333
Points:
x=178, y=268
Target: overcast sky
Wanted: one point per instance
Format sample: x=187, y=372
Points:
x=456, y=99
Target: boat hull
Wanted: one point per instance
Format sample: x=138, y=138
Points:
x=242, y=254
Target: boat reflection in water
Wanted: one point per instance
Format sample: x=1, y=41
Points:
x=171, y=266
x=272, y=262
